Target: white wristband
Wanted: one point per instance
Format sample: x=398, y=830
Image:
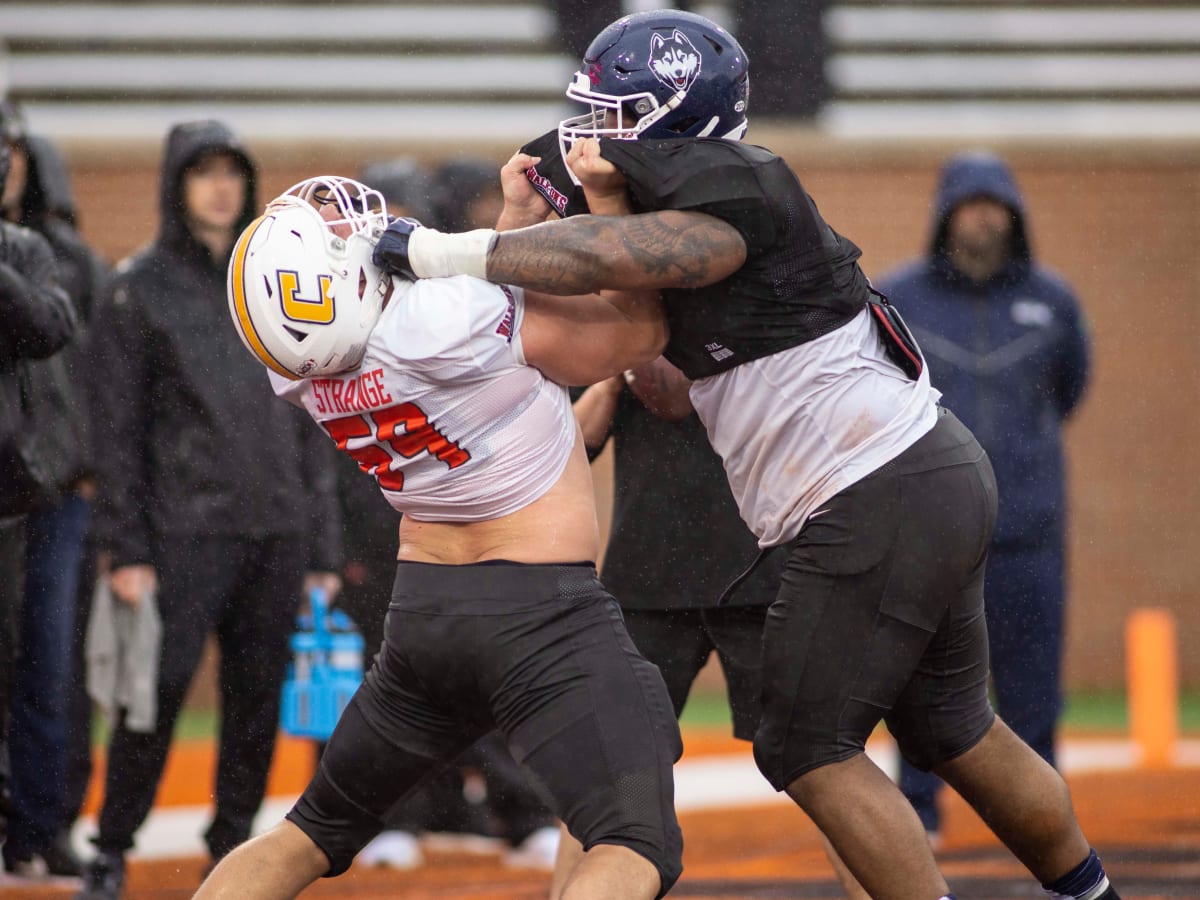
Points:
x=433, y=254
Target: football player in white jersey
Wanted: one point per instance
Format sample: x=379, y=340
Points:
x=441, y=390
x=835, y=446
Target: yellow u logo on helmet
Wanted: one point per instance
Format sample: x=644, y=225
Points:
x=302, y=309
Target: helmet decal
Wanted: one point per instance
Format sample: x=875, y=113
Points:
x=316, y=310
x=675, y=62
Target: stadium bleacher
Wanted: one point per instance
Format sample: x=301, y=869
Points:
x=450, y=69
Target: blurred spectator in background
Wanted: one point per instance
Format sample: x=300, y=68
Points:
x=785, y=40
x=468, y=194
x=37, y=195
x=39, y=319
x=408, y=188
x=487, y=794
x=1007, y=346
x=194, y=513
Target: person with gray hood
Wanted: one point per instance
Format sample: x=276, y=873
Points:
x=192, y=509
x=1008, y=348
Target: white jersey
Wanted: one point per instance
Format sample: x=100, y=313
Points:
x=797, y=427
x=443, y=410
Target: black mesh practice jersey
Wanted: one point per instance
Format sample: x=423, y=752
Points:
x=801, y=278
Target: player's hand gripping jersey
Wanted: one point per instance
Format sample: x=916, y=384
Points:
x=423, y=384
x=837, y=390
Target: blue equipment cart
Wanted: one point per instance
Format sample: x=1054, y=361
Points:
x=326, y=669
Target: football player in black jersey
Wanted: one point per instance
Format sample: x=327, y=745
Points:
x=831, y=435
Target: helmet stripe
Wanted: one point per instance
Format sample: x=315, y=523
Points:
x=237, y=297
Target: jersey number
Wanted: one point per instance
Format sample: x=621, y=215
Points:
x=405, y=429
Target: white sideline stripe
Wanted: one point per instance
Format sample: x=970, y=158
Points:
x=711, y=782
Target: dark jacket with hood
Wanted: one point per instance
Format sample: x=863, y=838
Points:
x=191, y=439
x=58, y=384
x=1010, y=355
x=38, y=320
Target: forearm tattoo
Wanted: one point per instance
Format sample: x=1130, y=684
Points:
x=591, y=253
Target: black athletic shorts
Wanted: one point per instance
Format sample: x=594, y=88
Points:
x=538, y=652
x=680, y=641
x=880, y=615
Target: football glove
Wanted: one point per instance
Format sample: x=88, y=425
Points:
x=391, y=251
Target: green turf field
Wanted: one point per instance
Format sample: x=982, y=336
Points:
x=1091, y=711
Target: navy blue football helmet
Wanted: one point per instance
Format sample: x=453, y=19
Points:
x=660, y=74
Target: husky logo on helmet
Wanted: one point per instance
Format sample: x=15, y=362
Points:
x=675, y=62
x=644, y=77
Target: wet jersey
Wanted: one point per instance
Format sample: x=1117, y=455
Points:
x=443, y=411
x=798, y=391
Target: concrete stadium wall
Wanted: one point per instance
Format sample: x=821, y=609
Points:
x=1121, y=220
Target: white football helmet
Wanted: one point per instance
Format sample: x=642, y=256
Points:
x=303, y=292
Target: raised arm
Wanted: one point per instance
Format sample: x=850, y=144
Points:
x=579, y=255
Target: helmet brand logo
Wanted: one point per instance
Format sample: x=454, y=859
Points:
x=675, y=62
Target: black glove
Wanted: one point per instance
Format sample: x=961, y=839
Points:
x=391, y=252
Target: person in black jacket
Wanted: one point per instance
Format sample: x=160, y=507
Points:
x=37, y=195
x=39, y=320
x=199, y=501
x=676, y=543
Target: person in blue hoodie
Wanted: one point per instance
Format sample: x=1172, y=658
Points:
x=1007, y=346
